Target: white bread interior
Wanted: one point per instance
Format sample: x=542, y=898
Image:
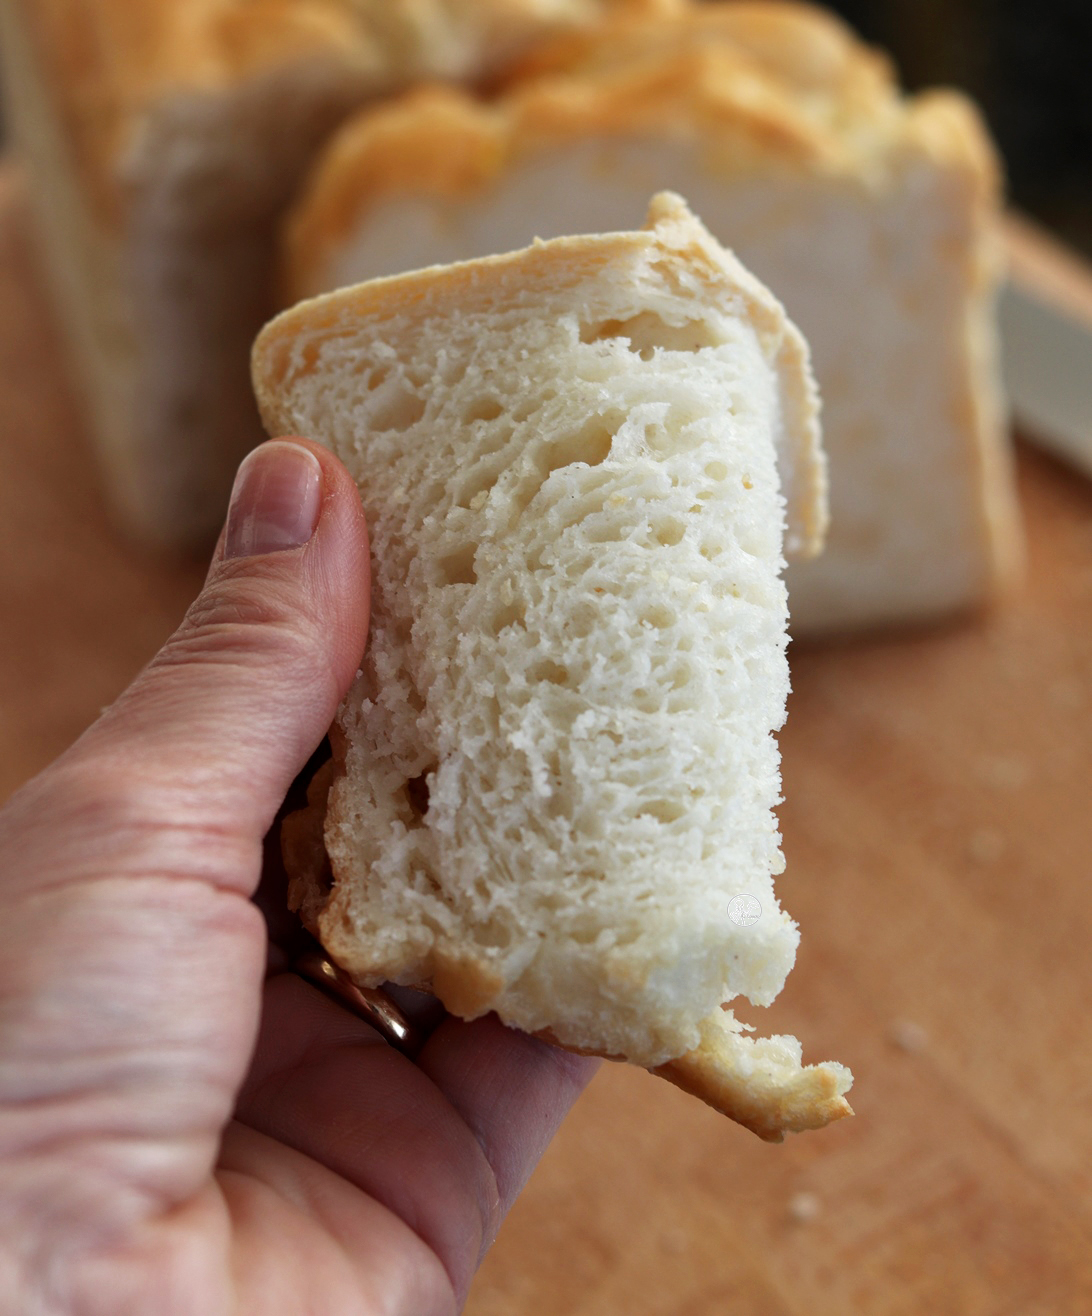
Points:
x=557, y=767
x=165, y=138
x=873, y=217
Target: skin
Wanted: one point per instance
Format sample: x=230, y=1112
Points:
x=178, y=1133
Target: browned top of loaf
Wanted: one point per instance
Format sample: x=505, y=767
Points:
x=110, y=63
x=762, y=84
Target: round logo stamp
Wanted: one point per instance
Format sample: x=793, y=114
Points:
x=744, y=911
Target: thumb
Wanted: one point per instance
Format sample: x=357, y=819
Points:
x=213, y=731
x=130, y=956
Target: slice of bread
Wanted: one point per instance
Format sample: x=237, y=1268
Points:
x=165, y=138
x=873, y=217
x=557, y=769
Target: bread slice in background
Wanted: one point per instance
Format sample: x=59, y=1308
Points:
x=557, y=769
x=872, y=216
x=164, y=139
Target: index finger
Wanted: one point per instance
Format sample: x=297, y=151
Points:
x=445, y=1143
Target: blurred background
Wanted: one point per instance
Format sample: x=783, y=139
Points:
x=1026, y=63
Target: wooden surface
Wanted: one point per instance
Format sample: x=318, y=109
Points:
x=939, y=839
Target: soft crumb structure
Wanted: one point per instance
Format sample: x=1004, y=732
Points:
x=872, y=216
x=165, y=138
x=557, y=768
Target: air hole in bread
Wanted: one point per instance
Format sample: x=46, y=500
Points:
x=397, y=412
x=458, y=567
x=549, y=671
x=532, y=403
x=581, y=621
x=586, y=936
x=606, y=530
x=681, y=676
x=660, y=617
x=514, y=614
x=417, y=793
x=647, y=333
x=664, y=811
x=646, y=701
x=377, y=378
x=588, y=446
x=717, y=471
x=478, y=486
x=669, y=533
x=484, y=408
x=495, y=935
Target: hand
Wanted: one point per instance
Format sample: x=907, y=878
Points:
x=176, y=1137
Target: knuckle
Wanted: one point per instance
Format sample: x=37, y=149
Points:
x=97, y=816
x=245, y=622
x=107, y=799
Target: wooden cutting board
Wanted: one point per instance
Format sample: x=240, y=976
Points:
x=939, y=840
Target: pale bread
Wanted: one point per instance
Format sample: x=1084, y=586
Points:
x=556, y=770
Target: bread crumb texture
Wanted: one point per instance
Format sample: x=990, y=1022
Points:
x=557, y=766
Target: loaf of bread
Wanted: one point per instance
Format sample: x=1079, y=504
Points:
x=164, y=138
x=873, y=217
x=554, y=779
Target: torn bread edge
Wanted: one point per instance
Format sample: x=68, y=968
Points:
x=759, y=1082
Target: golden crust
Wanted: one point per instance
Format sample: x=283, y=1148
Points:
x=758, y=86
x=112, y=64
x=770, y=1094
x=438, y=141
x=805, y=46
x=434, y=139
x=719, y=1073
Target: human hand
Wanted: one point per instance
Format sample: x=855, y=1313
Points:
x=175, y=1136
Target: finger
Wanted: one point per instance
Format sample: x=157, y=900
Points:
x=512, y=1090
x=306, y=1240
x=252, y=678
x=130, y=953
x=206, y=741
x=324, y=1083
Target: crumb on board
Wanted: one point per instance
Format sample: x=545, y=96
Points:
x=674, y=1242
x=985, y=846
x=908, y=1036
x=803, y=1208
x=1069, y=695
x=1003, y=773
